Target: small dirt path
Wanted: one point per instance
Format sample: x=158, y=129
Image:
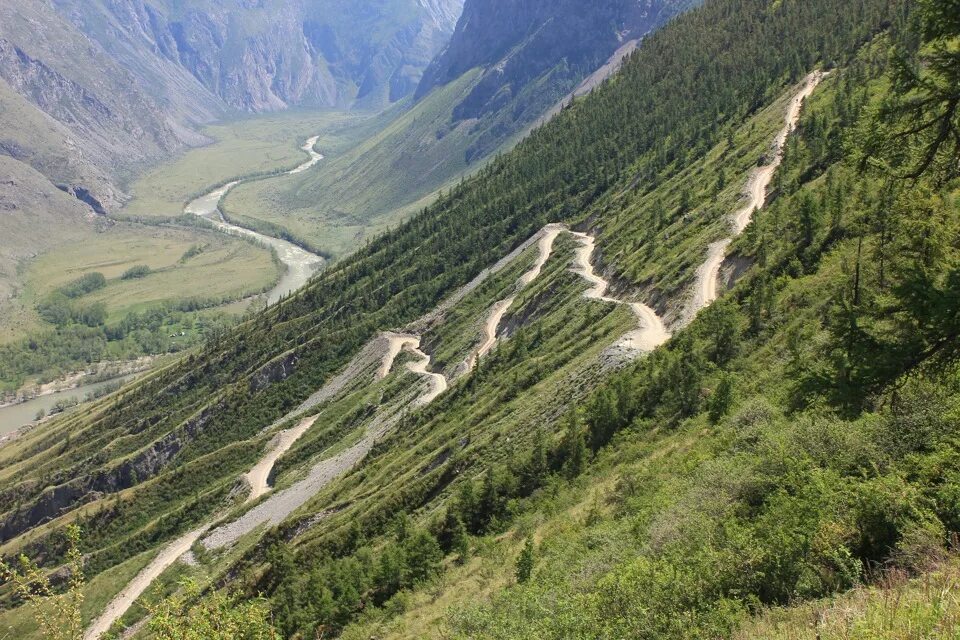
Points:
x=258, y=476
x=651, y=332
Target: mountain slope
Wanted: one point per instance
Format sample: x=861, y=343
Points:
x=172, y=447
x=517, y=43
x=722, y=474
x=91, y=126
x=507, y=65
x=35, y=215
x=403, y=274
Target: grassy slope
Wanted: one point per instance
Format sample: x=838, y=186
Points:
x=898, y=608
x=96, y=594
x=492, y=415
x=39, y=218
x=659, y=490
x=194, y=388
x=43, y=143
x=497, y=426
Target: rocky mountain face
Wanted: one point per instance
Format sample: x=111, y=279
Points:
x=75, y=114
x=550, y=43
x=266, y=55
x=509, y=65
x=94, y=90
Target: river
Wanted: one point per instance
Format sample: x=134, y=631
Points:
x=300, y=266
x=14, y=416
x=300, y=263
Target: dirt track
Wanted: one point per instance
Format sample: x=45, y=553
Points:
x=258, y=476
x=651, y=332
x=705, y=290
x=385, y=348
x=135, y=588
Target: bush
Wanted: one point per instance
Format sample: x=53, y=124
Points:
x=83, y=285
x=136, y=272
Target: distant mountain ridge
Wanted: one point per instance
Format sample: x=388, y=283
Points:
x=507, y=67
x=94, y=90
x=77, y=115
x=267, y=55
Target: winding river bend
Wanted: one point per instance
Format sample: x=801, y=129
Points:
x=300, y=264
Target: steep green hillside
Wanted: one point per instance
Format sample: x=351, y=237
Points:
x=797, y=433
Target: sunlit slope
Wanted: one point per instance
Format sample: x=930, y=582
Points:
x=174, y=446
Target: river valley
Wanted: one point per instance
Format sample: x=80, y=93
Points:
x=299, y=264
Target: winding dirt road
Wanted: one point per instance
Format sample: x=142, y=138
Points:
x=438, y=382
x=135, y=588
x=649, y=335
x=276, y=508
x=706, y=286
x=397, y=342
x=651, y=332
x=545, y=239
x=383, y=351
x=260, y=474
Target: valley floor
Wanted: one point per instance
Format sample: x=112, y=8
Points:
x=193, y=278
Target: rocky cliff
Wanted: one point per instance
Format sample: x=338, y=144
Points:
x=94, y=90
x=72, y=112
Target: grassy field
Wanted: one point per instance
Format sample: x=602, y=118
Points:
x=192, y=280
x=224, y=268
x=240, y=147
